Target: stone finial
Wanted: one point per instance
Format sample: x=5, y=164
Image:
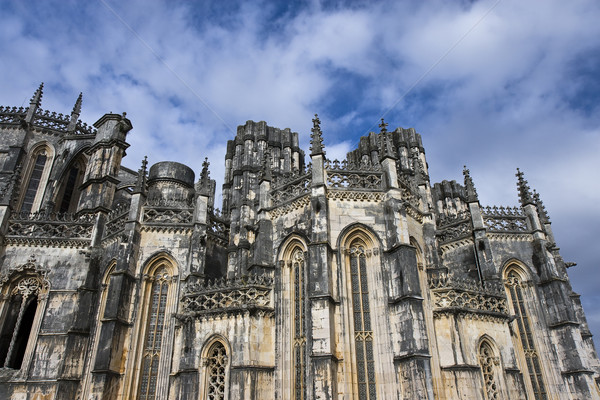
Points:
x=37, y=96
x=470, y=186
x=140, y=184
x=205, y=173
x=316, y=138
x=266, y=173
x=383, y=126
x=524, y=189
x=75, y=114
x=386, y=148
x=544, y=218
x=77, y=106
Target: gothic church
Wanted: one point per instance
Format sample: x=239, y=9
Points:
x=354, y=279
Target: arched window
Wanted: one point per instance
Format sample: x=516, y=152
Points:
x=18, y=320
x=487, y=362
x=216, y=372
x=292, y=316
x=363, y=332
x=299, y=323
x=36, y=177
x=514, y=284
x=153, y=335
x=68, y=195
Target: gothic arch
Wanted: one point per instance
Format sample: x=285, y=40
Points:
x=522, y=299
x=215, y=363
x=23, y=301
x=69, y=179
x=293, y=317
x=34, y=178
x=491, y=371
x=360, y=265
x=518, y=267
x=154, y=330
x=361, y=231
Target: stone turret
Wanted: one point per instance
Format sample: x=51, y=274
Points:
x=100, y=180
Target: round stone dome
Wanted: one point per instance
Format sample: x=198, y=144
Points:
x=171, y=171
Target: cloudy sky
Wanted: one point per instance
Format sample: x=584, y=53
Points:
x=493, y=84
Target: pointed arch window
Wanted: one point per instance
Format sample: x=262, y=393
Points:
x=19, y=316
x=299, y=321
x=160, y=282
x=216, y=372
x=68, y=195
x=514, y=284
x=487, y=362
x=40, y=159
x=363, y=333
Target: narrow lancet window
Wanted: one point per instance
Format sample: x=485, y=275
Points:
x=34, y=182
x=154, y=333
x=299, y=318
x=487, y=360
x=363, y=332
x=216, y=372
x=18, y=322
x=515, y=288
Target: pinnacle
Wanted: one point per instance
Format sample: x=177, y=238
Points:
x=37, y=96
x=77, y=106
x=383, y=126
x=470, y=186
x=316, y=138
x=524, y=189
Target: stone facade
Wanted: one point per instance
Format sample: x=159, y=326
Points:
x=356, y=279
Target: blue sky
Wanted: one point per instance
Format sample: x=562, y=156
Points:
x=493, y=84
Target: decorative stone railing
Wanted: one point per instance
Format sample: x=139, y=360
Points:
x=228, y=296
x=443, y=280
x=62, y=229
x=461, y=294
x=116, y=220
x=505, y=219
x=45, y=119
x=167, y=216
x=456, y=230
x=290, y=189
x=12, y=115
x=51, y=120
x=345, y=175
x=218, y=228
x=447, y=220
x=410, y=191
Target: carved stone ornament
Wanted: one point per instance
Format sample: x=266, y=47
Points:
x=30, y=267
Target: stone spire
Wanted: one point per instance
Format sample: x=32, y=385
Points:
x=75, y=114
x=37, y=96
x=469, y=186
x=34, y=104
x=316, y=138
x=140, y=184
x=524, y=190
x=544, y=218
x=205, y=173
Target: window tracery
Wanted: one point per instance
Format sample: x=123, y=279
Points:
x=216, y=372
x=153, y=337
x=299, y=318
x=514, y=285
x=487, y=360
x=18, y=321
x=363, y=333
x=33, y=183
